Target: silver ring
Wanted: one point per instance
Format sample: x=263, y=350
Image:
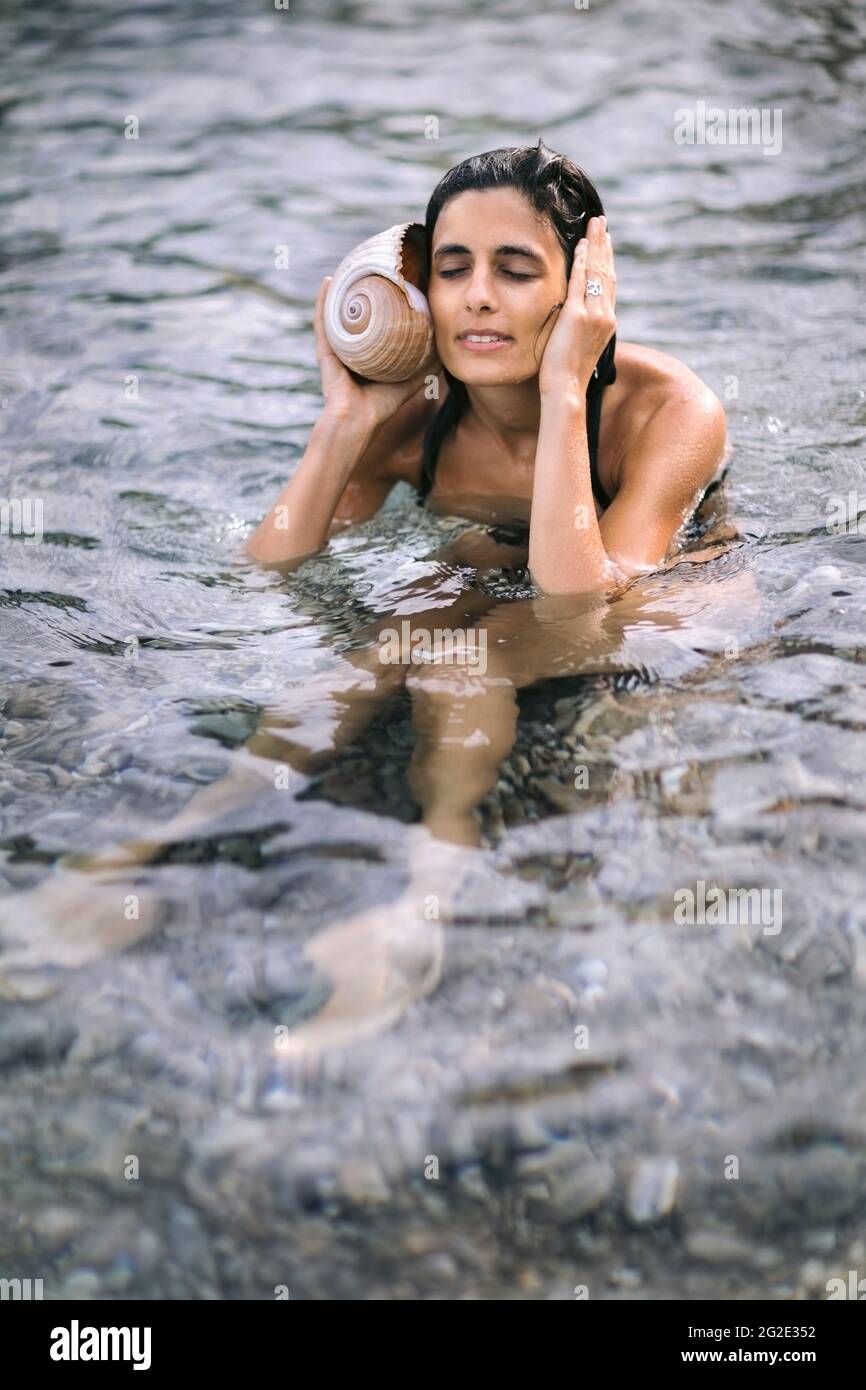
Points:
x=594, y=287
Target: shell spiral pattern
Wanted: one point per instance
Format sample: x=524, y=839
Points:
x=376, y=317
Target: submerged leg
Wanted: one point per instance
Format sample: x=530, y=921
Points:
x=465, y=724
x=303, y=731
x=464, y=706
x=386, y=958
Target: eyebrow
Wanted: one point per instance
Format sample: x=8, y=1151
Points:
x=454, y=248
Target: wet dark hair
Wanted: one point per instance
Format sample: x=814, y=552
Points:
x=558, y=190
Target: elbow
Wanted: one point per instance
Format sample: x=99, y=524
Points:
x=559, y=582
x=273, y=544
x=272, y=559
x=257, y=549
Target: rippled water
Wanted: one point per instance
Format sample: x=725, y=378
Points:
x=157, y=384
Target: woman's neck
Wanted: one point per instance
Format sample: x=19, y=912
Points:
x=510, y=414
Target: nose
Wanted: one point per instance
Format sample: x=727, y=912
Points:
x=479, y=290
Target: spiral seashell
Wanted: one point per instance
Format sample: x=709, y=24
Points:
x=376, y=317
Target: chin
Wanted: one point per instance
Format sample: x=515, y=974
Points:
x=493, y=377
x=489, y=373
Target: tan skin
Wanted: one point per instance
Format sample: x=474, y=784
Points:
x=470, y=463
x=486, y=467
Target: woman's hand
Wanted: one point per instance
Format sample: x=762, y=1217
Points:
x=586, y=323
x=346, y=395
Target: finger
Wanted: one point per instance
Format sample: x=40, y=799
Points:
x=419, y=378
x=600, y=267
x=323, y=347
x=432, y=368
x=601, y=257
x=611, y=270
x=597, y=247
x=577, y=279
x=595, y=255
x=319, y=312
x=607, y=246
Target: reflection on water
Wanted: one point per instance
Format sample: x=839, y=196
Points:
x=157, y=384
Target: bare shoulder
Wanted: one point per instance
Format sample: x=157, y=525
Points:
x=668, y=411
x=657, y=378
x=658, y=375
x=651, y=381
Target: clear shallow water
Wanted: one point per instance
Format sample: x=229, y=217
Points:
x=159, y=382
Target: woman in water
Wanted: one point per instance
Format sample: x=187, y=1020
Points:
x=540, y=421
x=539, y=418
x=522, y=292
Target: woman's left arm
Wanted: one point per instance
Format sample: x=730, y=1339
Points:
x=566, y=551
x=661, y=478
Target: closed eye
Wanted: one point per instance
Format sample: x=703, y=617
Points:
x=512, y=274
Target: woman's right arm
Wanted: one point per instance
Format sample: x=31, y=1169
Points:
x=299, y=521
x=348, y=431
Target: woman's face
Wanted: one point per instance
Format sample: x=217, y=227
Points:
x=496, y=269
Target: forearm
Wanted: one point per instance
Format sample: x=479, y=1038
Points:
x=298, y=523
x=566, y=551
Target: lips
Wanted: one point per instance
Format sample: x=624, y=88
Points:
x=469, y=341
x=483, y=333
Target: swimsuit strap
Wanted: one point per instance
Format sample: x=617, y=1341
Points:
x=593, y=425
x=425, y=484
